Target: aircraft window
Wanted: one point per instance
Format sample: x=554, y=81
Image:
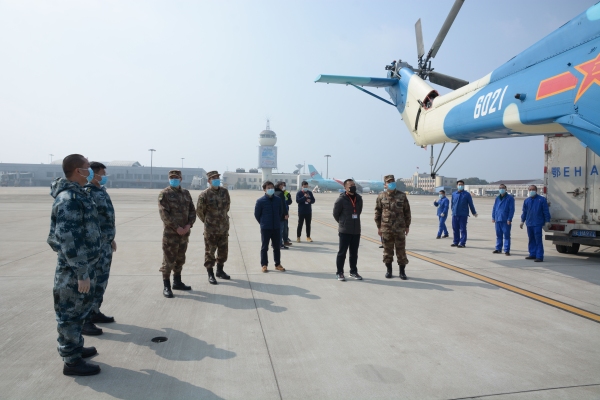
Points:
x=428, y=102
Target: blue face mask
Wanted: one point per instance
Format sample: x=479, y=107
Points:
x=460, y=187
x=441, y=195
x=90, y=177
x=532, y=193
x=270, y=192
x=216, y=182
x=502, y=191
x=392, y=186
x=304, y=189
x=103, y=180
x=174, y=182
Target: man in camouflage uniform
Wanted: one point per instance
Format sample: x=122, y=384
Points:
x=106, y=218
x=178, y=214
x=392, y=216
x=213, y=205
x=75, y=237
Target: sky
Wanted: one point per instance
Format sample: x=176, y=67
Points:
x=198, y=79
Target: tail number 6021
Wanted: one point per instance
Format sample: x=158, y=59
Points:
x=486, y=104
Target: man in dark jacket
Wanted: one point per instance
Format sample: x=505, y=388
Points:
x=305, y=200
x=346, y=211
x=268, y=211
x=279, y=193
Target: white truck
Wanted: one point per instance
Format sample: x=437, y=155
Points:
x=572, y=179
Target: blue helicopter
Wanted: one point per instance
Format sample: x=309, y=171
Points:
x=553, y=87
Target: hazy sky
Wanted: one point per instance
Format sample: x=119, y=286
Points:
x=197, y=79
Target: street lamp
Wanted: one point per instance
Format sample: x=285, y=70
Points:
x=182, y=158
x=51, y=155
x=327, y=156
x=151, y=176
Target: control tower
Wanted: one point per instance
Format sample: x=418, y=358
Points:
x=267, y=153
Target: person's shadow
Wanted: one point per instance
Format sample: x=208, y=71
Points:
x=179, y=347
x=280, y=290
x=234, y=302
x=127, y=384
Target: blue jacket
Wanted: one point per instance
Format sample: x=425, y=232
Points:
x=461, y=203
x=268, y=212
x=442, y=206
x=535, y=211
x=304, y=208
x=504, y=208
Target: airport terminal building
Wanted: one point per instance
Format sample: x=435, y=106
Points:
x=121, y=174
x=252, y=180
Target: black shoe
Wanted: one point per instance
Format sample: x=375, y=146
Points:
x=80, y=368
x=530, y=258
x=445, y=236
x=211, y=276
x=88, y=352
x=438, y=237
x=388, y=274
x=381, y=247
x=340, y=277
x=178, y=285
x=356, y=276
x=167, y=289
x=453, y=245
x=100, y=318
x=538, y=260
x=402, y=274
x=90, y=329
x=220, y=273
x=507, y=253
x=461, y=246
x=496, y=252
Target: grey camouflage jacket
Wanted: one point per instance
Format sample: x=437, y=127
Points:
x=106, y=211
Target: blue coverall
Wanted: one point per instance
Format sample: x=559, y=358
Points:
x=442, y=213
x=535, y=215
x=461, y=203
x=502, y=213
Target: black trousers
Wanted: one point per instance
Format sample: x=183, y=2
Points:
x=301, y=219
x=348, y=240
x=273, y=236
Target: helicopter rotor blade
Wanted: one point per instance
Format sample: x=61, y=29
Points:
x=445, y=28
x=447, y=81
x=419, y=35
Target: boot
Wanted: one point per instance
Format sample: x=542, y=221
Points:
x=388, y=274
x=211, y=276
x=80, y=368
x=99, y=317
x=167, y=290
x=220, y=273
x=87, y=352
x=402, y=274
x=178, y=285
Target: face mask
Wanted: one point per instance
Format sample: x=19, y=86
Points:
x=270, y=192
x=460, y=187
x=103, y=180
x=392, y=186
x=304, y=189
x=215, y=182
x=502, y=191
x=532, y=193
x=441, y=196
x=90, y=176
x=352, y=189
x=283, y=189
x=174, y=182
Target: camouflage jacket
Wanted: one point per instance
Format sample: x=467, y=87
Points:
x=176, y=208
x=212, y=208
x=74, y=227
x=392, y=211
x=106, y=211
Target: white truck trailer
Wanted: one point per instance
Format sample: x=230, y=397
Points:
x=571, y=174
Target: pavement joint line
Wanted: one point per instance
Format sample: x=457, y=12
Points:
x=257, y=313
x=524, y=391
x=511, y=288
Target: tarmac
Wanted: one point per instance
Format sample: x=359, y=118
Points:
x=467, y=323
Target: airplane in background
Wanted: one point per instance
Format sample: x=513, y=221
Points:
x=324, y=184
x=367, y=186
x=553, y=87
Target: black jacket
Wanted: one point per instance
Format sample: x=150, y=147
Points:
x=343, y=210
x=281, y=195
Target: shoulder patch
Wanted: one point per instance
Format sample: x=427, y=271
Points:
x=160, y=197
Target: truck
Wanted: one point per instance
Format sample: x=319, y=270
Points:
x=572, y=186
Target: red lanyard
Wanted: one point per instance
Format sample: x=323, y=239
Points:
x=352, y=201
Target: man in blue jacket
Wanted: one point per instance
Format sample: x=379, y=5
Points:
x=461, y=203
x=305, y=200
x=502, y=215
x=535, y=214
x=268, y=211
x=442, y=213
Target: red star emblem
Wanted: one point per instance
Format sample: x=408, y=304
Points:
x=591, y=75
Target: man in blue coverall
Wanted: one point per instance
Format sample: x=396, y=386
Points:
x=461, y=203
x=535, y=214
x=502, y=215
x=442, y=213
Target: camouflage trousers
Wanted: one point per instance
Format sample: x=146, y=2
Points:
x=72, y=309
x=395, y=240
x=102, y=273
x=174, y=247
x=215, y=243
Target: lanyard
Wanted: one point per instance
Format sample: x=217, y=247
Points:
x=352, y=201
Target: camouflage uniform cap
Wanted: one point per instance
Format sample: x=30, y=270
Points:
x=175, y=172
x=389, y=177
x=213, y=174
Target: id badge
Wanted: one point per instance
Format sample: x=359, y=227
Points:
x=354, y=216
x=306, y=202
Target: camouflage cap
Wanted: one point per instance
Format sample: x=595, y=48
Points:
x=213, y=174
x=175, y=172
x=388, y=178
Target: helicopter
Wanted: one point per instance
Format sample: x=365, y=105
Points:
x=553, y=87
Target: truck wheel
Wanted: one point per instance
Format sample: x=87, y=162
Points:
x=561, y=248
x=574, y=249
